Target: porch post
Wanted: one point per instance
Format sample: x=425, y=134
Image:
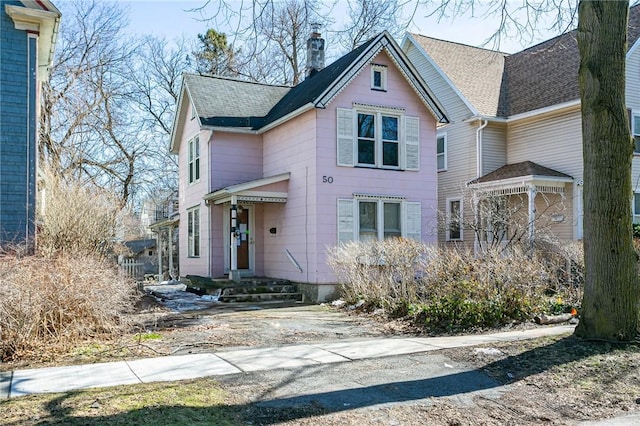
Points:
x=532, y=214
x=170, y=244
x=234, y=275
x=477, y=221
x=159, y=251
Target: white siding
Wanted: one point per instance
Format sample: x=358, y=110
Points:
x=453, y=105
x=633, y=102
x=494, y=152
x=553, y=141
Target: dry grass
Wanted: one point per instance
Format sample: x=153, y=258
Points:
x=50, y=304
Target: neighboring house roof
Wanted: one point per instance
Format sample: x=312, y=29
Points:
x=538, y=77
x=230, y=103
x=138, y=246
x=476, y=72
x=518, y=170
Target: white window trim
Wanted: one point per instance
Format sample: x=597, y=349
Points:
x=444, y=154
x=191, y=246
x=349, y=216
x=635, y=215
x=347, y=137
x=378, y=141
x=380, y=202
x=635, y=132
x=194, y=161
x=382, y=69
x=448, y=221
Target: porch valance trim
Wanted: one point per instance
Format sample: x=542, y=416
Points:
x=249, y=192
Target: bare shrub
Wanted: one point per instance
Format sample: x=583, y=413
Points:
x=50, y=304
x=383, y=273
x=76, y=218
x=447, y=288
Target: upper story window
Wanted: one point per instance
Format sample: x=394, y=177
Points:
x=378, y=140
x=378, y=137
x=194, y=159
x=441, y=141
x=378, y=77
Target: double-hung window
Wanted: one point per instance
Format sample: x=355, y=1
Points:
x=378, y=220
x=378, y=138
x=193, y=232
x=369, y=218
x=454, y=219
x=441, y=158
x=636, y=207
x=194, y=159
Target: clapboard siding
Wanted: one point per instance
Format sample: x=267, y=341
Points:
x=17, y=131
x=553, y=141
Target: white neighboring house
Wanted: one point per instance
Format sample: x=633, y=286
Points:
x=515, y=134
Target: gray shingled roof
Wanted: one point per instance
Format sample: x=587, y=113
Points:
x=526, y=168
x=228, y=102
x=476, y=72
x=540, y=76
x=220, y=100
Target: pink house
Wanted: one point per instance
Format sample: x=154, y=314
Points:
x=270, y=176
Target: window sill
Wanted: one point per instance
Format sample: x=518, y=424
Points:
x=378, y=89
x=364, y=166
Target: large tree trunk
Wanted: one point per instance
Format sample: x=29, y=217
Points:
x=610, y=308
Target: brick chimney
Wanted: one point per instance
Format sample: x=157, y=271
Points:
x=315, y=51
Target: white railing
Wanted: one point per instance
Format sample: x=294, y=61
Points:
x=132, y=268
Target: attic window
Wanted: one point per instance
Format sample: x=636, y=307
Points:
x=378, y=77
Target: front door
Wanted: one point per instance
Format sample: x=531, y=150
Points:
x=243, y=244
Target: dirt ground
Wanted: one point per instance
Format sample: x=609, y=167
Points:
x=550, y=381
x=553, y=381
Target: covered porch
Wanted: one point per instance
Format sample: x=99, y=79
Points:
x=517, y=200
x=241, y=225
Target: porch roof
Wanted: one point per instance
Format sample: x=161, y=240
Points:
x=519, y=177
x=256, y=191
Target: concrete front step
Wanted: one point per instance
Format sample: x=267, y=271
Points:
x=248, y=290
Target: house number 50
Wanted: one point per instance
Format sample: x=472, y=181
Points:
x=327, y=179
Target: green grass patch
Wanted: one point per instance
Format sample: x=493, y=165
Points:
x=193, y=402
x=148, y=336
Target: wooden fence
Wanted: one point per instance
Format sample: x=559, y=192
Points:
x=132, y=268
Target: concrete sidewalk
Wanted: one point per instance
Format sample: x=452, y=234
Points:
x=63, y=379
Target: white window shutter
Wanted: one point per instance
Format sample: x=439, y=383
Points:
x=413, y=221
x=346, y=224
x=345, y=137
x=412, y=143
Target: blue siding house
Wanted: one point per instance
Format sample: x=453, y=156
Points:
x=28, y=31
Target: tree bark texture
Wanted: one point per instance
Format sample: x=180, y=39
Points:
x=610, y=307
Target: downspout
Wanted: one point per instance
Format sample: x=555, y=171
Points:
x=483, y=124
x=209, y=206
